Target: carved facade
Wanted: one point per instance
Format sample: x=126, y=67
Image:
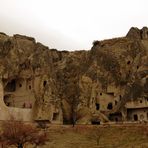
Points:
x=107, y=83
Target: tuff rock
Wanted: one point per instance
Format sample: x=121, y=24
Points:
x=45, y=84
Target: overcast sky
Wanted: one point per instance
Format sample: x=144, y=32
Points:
x=72, y=24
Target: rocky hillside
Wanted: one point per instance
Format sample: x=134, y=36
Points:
x=76, y=81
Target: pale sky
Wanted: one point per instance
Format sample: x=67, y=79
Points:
x=72, y=24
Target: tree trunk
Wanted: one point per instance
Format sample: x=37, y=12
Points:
x=20, y=145
x=73, y=117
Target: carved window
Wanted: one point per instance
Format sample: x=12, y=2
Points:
x=97, y=106
x=128, y=62
x=110, y=106
x=11, y=86
x=29, y=86
x=120, y=97
x=116, y=102
x=95, y=122
x=116, y=119
x=44, y=83
x=135, y=117
x=30, y=105
x=55, y=116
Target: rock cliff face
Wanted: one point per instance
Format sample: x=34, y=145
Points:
x=81, y=86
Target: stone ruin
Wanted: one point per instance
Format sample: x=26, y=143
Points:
x=108, y=83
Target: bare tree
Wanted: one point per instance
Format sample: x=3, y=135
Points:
x=74, y=106
x=41, y=139
x=18, y=133
x=96, y=134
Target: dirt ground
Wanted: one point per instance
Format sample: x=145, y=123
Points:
x=96, y=136
x=82, y=136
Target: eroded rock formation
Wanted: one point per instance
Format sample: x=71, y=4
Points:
x=102, y=84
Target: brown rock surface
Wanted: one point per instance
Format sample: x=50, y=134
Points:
x=94, y=83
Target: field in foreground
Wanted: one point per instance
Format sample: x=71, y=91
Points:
x=132, y=136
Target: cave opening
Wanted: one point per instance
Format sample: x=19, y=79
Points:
x=30, y=87
x=116, y=119
x=120, y=97
x=135, y=117
x=55, y=116
x=128, y=62
x=95, y=122
x=97, y=106
x=116, y=102
x=110, y=106
x=7, y=100
x=11, y=86
x=44, y=83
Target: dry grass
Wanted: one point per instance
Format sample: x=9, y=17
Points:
x=87, y=137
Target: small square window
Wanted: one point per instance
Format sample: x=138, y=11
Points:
x=44, y=83
x=29, y=86
x=128, y=62
x=97, y=106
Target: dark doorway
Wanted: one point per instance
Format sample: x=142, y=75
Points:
x=120, y=97
x=44, y=83
x=29, y=86
x=116, y=102
x=97, y=106
x=95, y=122
x=7, y=100
x=116, y=119
x=128, y=62
x=55, y=116
x=11, y=86
x=110, y=106
x=135, y=117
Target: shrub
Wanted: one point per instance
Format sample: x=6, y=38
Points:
x=18, y=133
